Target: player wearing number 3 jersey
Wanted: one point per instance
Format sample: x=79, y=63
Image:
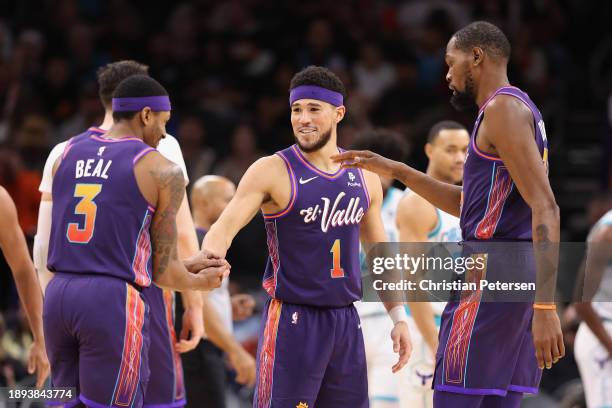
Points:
x=311, y=350
x=113, y=232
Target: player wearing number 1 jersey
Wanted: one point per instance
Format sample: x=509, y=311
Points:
x=311, y=351
x=113, y=232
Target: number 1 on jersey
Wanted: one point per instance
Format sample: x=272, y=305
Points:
x=337, y=271
x=86, y=207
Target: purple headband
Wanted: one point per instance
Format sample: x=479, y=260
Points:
x=136, y=104
x=315, y=92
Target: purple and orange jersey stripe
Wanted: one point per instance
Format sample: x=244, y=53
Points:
x=501, y=186
x=140, y=263
x=269, y=283
x=123, y=139
x=179, y=388
x=129, y=372
x=267, y=354
x=96, y=130
x=142, y=154
x=464, y=318
x=67, y=148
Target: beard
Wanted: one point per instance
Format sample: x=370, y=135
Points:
x=467, y=99
x=317, y=145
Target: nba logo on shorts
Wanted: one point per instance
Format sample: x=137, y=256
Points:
x=294, y=318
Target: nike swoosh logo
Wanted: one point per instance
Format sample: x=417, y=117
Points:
x=307, y=180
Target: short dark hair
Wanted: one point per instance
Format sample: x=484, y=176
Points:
x=319, y=76
x=435, y=130
x=385, y=142
x=484, y=35
x=110, y=75
x=136, y=86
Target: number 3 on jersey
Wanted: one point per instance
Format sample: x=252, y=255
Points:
x=85, y=207
x=336, y=271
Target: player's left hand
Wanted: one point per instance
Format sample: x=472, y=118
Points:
x=402, y=344
x=547, y=337
x=38, y=362
x=193, y=322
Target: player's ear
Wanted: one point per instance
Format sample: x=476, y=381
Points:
x=477, y=55
x=340, y=112
x=146, y=116
x=428, y=150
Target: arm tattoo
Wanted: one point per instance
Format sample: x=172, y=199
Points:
x=542, y=236
x=170, y=183
x=542, y=233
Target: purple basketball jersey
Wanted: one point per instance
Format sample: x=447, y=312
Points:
x=314, y=242
x=492, y=207
x=100, y=218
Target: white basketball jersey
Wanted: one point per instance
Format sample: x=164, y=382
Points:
x=602, y=301
x=447, y=229
x=388, y=213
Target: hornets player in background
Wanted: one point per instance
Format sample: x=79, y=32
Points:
x=383, y=385
x=593, y=346
x=419, y=221
x=311, y=351
x=506, y=196
x=113, y=232
x=15, y=250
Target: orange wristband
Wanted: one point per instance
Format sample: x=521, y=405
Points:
x=545, y=306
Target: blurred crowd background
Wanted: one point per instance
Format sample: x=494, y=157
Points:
x=227, y=65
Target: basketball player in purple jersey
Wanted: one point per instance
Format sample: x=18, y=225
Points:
x=166, y=382
x=487, y=355
x=311, y=351
x=15, y=250
x=113, y=232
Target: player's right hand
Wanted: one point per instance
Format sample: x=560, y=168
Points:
x=365, y=159
x=402, y=344
x=38, y=362
x=547, y=337
x=244, y=364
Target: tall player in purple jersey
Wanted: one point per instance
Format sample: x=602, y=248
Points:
x=311, y=351
x=486, y=355
x=114, y=232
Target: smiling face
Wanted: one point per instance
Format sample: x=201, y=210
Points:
x=154, y=128
x=460, y=77
x=313, y=122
